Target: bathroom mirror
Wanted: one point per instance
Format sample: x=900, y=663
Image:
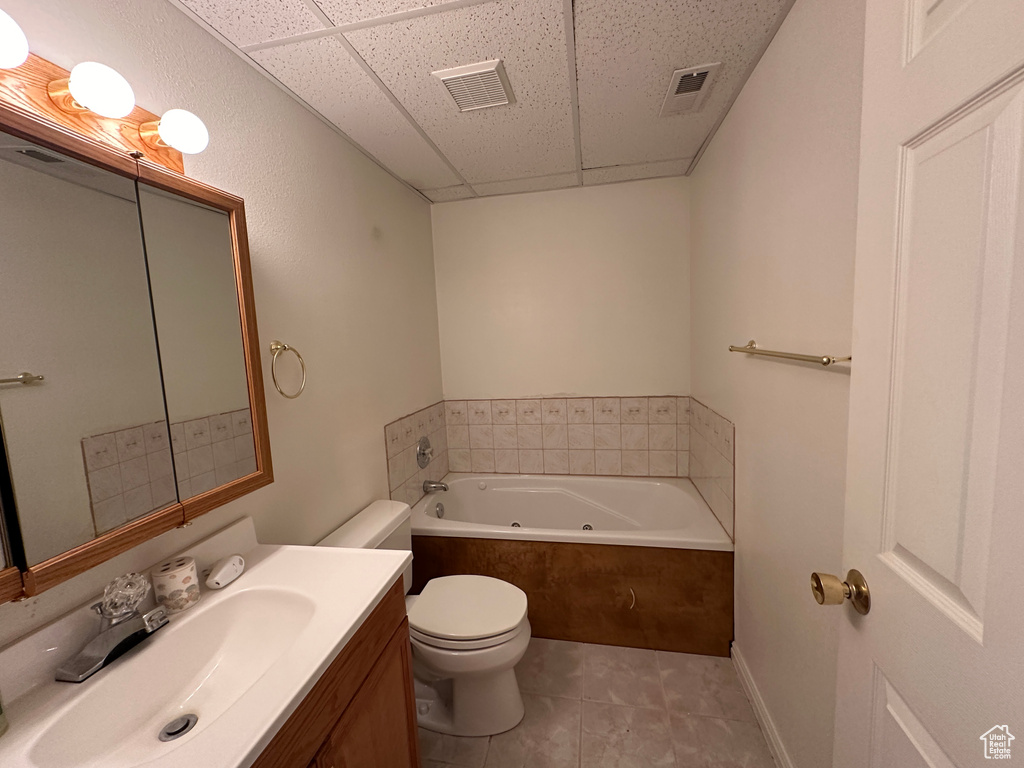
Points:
x=191, y=269
x=127, y=288
x=86, y=444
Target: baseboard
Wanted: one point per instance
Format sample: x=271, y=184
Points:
x=771, y=732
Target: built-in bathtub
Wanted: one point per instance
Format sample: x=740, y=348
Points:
x=622, y=561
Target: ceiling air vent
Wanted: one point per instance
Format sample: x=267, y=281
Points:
x=687, y=89
x=477, y=86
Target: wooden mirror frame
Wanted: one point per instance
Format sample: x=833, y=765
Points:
x=38, y=128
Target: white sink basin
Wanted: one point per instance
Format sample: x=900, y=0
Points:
x=241, y=661
x=201, y=666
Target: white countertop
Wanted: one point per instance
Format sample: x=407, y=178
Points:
x=112, y=719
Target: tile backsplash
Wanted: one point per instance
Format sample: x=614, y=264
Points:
x=634, y=436
x=712, y=461
x=405, y=478
x=653, y=436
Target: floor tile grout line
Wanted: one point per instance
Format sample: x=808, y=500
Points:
x=583, y=697
x=668, y=714
x=552, y=695
x=579, y=738
x=487, y=752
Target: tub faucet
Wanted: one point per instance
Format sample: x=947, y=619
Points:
x=432, y=486
x=122, y=627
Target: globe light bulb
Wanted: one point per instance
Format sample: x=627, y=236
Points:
x=183, y=131
x=101, y=89
x=13, y=43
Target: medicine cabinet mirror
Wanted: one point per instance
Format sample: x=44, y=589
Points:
x=131, y=398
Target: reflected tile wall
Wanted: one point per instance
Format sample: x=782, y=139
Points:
x=633, y=436
x=212, y=451
x=712, y=461
x=129, y=474
x=405, y=478
x=132, y=472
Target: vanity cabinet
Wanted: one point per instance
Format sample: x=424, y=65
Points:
x=373, y=732
x=361, y=713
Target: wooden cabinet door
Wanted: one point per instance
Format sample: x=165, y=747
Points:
x=378, y=728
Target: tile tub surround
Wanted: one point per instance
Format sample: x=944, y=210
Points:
x=712, y=461
x=212, y=450
x=597, y=705
x=401, y=436
x=129, y=474
x=632, y=436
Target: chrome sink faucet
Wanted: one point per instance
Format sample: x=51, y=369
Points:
x=122, y=627
x=432, y=486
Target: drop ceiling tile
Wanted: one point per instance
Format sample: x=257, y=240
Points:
x=247, y=22
x=626, y=51
x=536, y=184
x=613, y=173
x=351, y=11
x=532, y=137
x=448, y=194
x=324, y=75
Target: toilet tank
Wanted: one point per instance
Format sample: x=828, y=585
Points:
x=382, y=525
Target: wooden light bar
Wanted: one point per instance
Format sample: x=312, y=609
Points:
x=25, y=88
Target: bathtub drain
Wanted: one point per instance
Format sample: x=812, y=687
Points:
x=588, y=527
x=516, y=525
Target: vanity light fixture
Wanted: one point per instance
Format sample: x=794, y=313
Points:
x=95, y=87
x=179, y=129
x=13, y=43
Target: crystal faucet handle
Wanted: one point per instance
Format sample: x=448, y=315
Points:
x=123, y=595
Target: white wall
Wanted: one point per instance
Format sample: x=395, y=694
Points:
x=342, y=268
x=774, y=213
x=581, y=291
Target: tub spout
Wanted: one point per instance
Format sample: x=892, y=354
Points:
x=431, y=486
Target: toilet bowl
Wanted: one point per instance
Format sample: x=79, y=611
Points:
x=471, y=631
x=467, y=634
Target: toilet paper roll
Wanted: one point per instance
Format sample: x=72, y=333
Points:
x=175, y=584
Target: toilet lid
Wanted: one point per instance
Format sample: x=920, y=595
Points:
x=420, y=638
x=467, y=607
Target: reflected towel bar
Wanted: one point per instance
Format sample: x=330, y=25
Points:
x=22, y=378
x=751, y=349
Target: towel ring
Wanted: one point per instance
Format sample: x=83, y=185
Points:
x=277, y=347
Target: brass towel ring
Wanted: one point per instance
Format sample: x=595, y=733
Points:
x=277, y=347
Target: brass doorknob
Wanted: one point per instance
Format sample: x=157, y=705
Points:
x=829, y=590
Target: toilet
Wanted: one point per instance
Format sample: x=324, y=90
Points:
x=467, y=634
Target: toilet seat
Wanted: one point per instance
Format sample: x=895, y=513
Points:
x=466, y=612
x=466, y=645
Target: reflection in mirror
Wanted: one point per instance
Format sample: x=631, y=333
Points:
x=88, y=445
x=195, y=300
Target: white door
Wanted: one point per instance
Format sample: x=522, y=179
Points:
x=935, y=475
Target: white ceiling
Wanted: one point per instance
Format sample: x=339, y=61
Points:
x=589, y=79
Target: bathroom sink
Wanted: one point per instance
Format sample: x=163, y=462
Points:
x=240, y=661
x=201, y=668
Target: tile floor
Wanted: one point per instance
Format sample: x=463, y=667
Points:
x=598, y=706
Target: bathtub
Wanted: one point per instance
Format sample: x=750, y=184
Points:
x=659, y=512
x=619, y=561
